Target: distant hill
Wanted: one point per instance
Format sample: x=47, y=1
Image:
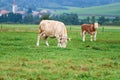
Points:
x=53, y=4
x=110, y=9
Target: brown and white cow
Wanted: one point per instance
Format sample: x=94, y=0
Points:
x=91, y=29
x=51, y=28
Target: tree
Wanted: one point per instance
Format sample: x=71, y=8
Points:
x=74, y=19
x=117, y=19
x=45, y=17
x=93, y=19
x=28, y=19
x=88, y=19
x=101, y=20
x=29, y=11
x=36, y=19
x=3, y=18
x=14, y=17
x=70, y=19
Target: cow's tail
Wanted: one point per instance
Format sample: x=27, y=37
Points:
x=40, y=30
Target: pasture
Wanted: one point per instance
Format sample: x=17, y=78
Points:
x=110, y=9
x=20, y=59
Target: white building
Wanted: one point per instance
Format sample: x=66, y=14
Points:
x=14, y=7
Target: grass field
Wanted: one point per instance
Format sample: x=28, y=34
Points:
x=20, y=59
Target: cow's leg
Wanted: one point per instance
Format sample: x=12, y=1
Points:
x=38, y=39
x=91, y=37
x=83, y=36
x=59, y=44
x=95, y=36
x=46, y=41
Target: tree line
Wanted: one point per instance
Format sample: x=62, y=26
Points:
x=68, y=19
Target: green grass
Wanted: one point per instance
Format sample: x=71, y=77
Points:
x=20, y=59
x=111, y=9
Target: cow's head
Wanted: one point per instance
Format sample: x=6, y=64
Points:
x=63, y=41
x=95, y=25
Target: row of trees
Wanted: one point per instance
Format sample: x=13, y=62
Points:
x=74, y=19
x=18, y=18
x=69, y=19
x=10, y=17
x=102, y=20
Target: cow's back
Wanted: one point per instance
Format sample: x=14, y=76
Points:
x=87, y=27
x=52, y=28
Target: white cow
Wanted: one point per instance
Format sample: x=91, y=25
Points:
x=51, y=28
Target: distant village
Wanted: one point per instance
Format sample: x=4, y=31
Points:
x=15, y=15
x=23, y=13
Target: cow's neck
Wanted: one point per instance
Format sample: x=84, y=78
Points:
x=94, y=29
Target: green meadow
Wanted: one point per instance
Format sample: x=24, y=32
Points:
x=20, y=59
x=110, y=9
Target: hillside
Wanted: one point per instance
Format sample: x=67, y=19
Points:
x=53, y=4
x=111, y=9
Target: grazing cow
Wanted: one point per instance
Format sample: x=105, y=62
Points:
x=51, y=28
x=91, y=29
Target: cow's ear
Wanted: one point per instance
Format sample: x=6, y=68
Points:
x=69, y=39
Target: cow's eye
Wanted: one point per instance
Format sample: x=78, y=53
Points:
x=60, y=38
